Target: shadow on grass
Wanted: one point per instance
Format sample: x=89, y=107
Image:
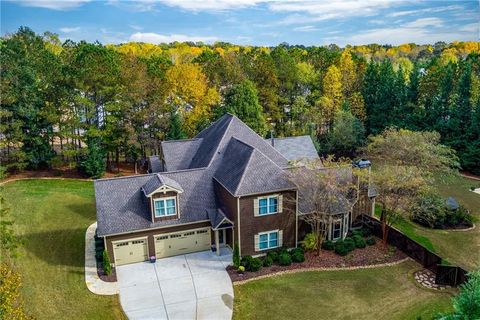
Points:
x=86, y=210
x=57, y=247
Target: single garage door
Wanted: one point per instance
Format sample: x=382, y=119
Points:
x=130, y=251
x=173, y=244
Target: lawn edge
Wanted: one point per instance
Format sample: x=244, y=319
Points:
x=280, y=273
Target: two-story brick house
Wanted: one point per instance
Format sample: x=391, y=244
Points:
x=224, y=187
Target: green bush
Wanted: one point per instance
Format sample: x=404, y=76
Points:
x=267, y=261
x=296, y=250
x=340, y=248
x=349, y=244
x=358, y=232
x=251, y=264
x=359, y=241
x=273, y=255
x=328, y=245
x=298, y=256
x=282, y=251
x=371, y=241
x=107, y=267
x=310, y=242
x=429, y=210
x=284, y=259
x=458, y=217
x=236, y=256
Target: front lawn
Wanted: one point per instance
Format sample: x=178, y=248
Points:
x=51, y=216
x=457, y=247
x=378, y=293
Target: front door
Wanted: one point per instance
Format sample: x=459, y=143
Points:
x=221, y=236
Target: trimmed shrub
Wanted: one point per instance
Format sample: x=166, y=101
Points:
x=107, y=267
x=251, y=264
x=349, y=244
x=359, y=241
x=310, y=241
x=340, y=248
x=371, y=241
x=236, y=256
x=273, y=255
x=267, y=261
x=358, y=232
x=282, y=251
x=298, y=256
x=328, y=245
x=458, y=217
x=284, y=259
x=429, y=210
x=296, y=250
x=367, y=232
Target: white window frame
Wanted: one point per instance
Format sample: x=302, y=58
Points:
x=268, y=239
x=276, y=196
x=339, y=221
x=165, y=207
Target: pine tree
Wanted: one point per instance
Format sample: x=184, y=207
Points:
x=176, y=131
x=94, y=163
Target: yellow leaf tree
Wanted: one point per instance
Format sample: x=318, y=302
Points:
x=349, y=76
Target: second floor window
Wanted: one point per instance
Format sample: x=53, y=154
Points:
x=268, y=205
x=165, y=207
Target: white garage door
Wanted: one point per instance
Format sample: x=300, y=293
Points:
x=130, y=251
x=176, y=243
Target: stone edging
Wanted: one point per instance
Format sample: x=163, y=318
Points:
x=371, y=266
x=461, y=230
x=92, y=280
x=43, y=178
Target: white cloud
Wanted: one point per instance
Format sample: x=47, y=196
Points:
x=305, y=29
x=211, y=5
x=135, y=27
x=52, y=4
x=69, y=30
x=426, y=10
x=152, y=37
x=424, y=22
x=472, y=27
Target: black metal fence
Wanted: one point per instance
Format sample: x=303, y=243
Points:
x=445, y=274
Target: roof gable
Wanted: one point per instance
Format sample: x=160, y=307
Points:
x=245, y=170
x=159, y=181
x=178, y=154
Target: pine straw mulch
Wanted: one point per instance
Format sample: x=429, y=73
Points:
x=371, y=255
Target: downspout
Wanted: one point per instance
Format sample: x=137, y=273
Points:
x=238, y=222
x=296, y=219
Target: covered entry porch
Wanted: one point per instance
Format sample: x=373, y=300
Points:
x=222, y=228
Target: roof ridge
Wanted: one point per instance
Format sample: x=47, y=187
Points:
x=245, y=169
x=181, y=140
x=263, y=139
x=228, y=113
x=261, y=153
x=125, y=177
x=291, y=137
x=221, y=139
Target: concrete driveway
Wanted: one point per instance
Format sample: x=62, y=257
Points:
x=191, y=286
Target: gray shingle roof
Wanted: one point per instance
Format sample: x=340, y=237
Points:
x=178, y=154
x=157, y=181
x=155, y=164
x=217, y=136
x=123, y=207
x=245, y=170
x=295, y=148
x=216, y=217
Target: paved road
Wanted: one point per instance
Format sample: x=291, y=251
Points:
x=191, y=286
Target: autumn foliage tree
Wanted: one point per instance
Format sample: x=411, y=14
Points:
x=405, y=164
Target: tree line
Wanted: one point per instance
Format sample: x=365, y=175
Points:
x=91, y=106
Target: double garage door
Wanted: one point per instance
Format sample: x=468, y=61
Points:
x=166, y=245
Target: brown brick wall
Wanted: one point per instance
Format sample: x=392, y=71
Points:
x=149, y=234
x=251, y=225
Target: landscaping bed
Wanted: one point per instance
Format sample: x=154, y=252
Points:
x=112, y=277
x=370, y=255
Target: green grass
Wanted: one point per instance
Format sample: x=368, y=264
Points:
x=379, y=293
x=51, y=216
x=455, y=247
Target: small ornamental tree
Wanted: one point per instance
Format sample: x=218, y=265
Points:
x=406, y=161
x=107, y=267
x=328, y=189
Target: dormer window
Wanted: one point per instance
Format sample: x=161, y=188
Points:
x=165, y=207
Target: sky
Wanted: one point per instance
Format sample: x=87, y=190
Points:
x=248, y=22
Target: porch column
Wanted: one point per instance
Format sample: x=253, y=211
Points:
x=217, y=242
